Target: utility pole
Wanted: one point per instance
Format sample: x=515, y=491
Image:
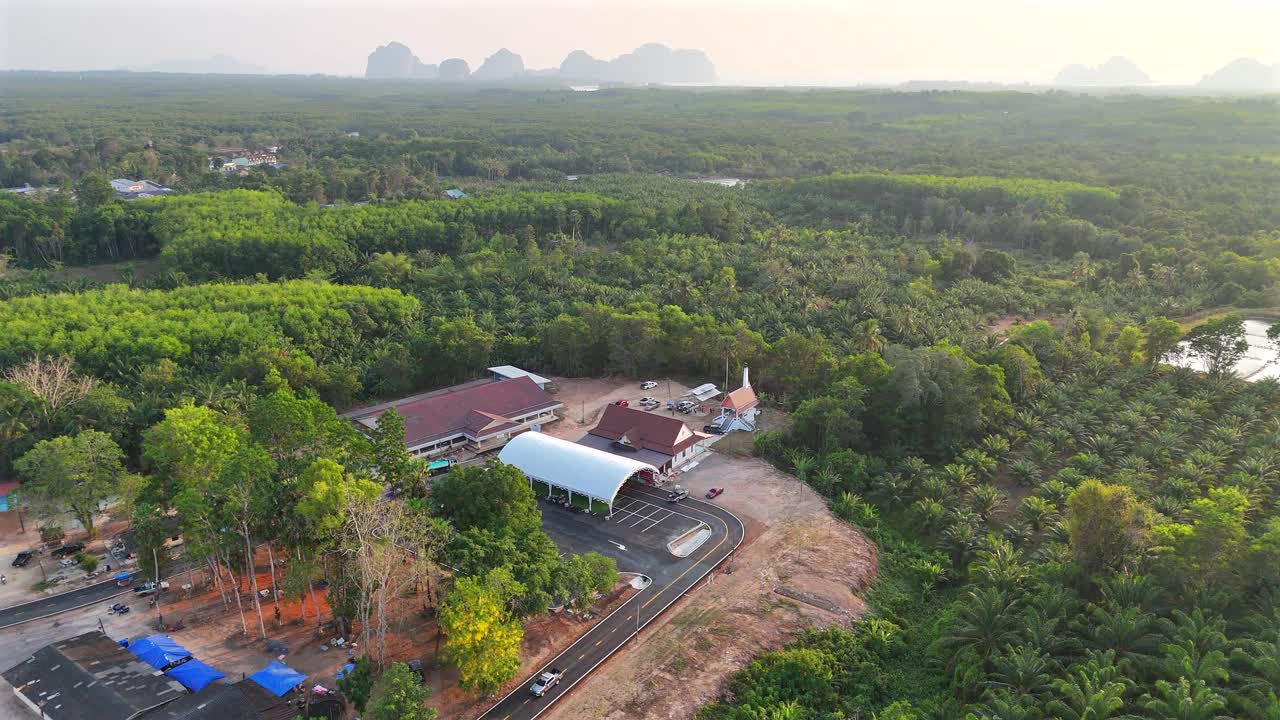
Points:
x=155, y=558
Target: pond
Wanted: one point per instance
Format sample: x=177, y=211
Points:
x=1259, y=362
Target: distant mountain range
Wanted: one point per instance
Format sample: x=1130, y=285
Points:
x=216, y=65
x=651, y=63
x=1243, y=75
x=1116, y=71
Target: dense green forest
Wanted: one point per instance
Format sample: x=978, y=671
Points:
x=966, y=303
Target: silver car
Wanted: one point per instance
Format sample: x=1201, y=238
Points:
x=545, y=682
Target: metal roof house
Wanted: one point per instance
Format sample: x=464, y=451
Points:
x=662, y=441
x=475, y=417
x=89, y=677
x=127, y=189
x=704, y=392
x=505, y=372
x=454, y=194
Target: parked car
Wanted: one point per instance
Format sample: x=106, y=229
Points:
x=676, y=496
x=648, y=385
x=23, y=558
x=621, y=403
x=149, y=588
x=545, y=682
x=68, y=549
x=713, y=429
x=648, y=400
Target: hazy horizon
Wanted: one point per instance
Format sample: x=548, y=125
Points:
x=750, y=41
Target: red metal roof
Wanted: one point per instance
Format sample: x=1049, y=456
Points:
x=647, y=430
x=475, y=410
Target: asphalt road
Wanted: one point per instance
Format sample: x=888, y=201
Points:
x=62, y=602
x=636, y=537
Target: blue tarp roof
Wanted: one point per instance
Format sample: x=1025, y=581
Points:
x=346, y=670
x=159, y=651
x=194, y=675
x=277, y=678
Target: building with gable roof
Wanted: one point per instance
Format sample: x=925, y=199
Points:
x=473, y=417
x=649, y=437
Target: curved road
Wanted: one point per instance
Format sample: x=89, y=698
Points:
x=671, y=578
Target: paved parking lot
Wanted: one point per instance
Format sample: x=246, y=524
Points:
x=640, y=516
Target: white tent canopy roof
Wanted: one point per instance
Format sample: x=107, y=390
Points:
x=578, y=468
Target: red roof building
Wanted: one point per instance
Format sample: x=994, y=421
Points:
x=664, y=442
x=476, y=416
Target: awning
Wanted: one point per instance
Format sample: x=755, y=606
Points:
x=194, y=675
x=159, y=651
x=277, y=678
x=568, y=465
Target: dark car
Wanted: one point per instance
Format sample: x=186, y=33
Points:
x=23, y=558
x=545, y=682
x=68, y=549
x=713, y=429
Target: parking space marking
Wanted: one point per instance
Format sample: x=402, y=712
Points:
x=643, y=518
x=655, y=522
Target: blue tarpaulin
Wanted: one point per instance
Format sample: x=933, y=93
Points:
x=123, y=575
x=346, y=670
x=277, y=678
x=159, y=651
x=194, y=675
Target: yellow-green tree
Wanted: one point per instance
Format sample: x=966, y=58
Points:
x=1107, y=524
x=483, y=640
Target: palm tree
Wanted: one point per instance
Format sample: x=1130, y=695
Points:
x=891, y=490
x=986, y=500
x=1000, y=566
x=866, y=336
x=1184, y=700
x=1039, y=630
x=1003, y=705
x=959, y=477
x=1021, y=671
x=982, y=622
x=1088, y=693
x=801, y=463
x=1128, y=590
x=1124, y=631
x=1037, y=511
x=997, y=446
x=1025, y=472
x=982, y=464
x=929, y=514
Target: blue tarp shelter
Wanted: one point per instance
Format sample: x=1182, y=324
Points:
x=194, y=675
x=277, y=678
x=159, y=651
x=346, y=670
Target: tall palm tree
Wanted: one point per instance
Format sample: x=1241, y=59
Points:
x=1124, y=631
x=801, y=463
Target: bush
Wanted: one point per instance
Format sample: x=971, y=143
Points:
x=50, y=534
x=88, y=562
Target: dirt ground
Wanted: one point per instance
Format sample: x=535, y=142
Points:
x=19, y=586
x=584, y=400
x=792, y=541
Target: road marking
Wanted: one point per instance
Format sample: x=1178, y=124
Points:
x=599, y=641
x=705, y=555
x=655, y=523
x=582, y=656
x=620, y=545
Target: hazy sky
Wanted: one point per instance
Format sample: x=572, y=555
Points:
x=826, y=41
